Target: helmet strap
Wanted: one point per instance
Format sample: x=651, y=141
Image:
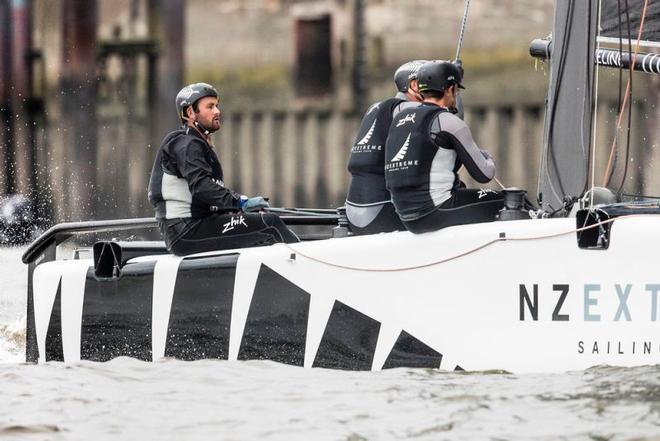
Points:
x=414, y=92
x=199, y=127
x=202, y=128
x=202, y=131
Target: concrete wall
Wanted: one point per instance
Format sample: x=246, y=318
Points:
x=295, y=150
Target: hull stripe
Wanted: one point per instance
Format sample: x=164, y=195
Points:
x=247, y=271
x=116, y=318
x=165, y=274
x=410, y=352
x=54, y=335
x=73, y=293
x=276, y=325
x=387, y=337
x=216, y=306
x=200, y=314
x=47, y=279
x=349, y=340
x=320, y=309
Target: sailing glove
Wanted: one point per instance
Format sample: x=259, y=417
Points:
x=253, y=204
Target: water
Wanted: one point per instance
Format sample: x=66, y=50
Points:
x=13, y=285
x=175, y=400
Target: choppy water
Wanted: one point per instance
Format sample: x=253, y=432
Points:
x=174, y=400
x=13, y=285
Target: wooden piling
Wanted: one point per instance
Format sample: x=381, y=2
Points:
x=78, y=91
x=288, y=152
x=22, y=126
x=266, y=157
x=167, y=28
x=6, y=185
x=309, y=158
x=245, y=151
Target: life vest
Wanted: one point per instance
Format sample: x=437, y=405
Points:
x=419, y=174
x=367, y=160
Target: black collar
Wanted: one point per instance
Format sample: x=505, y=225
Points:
x=189, y=130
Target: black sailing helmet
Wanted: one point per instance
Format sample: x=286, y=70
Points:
x=405, y=73
x=438, y=76
x=192, y=93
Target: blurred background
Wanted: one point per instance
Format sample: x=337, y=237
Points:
x=87, y=91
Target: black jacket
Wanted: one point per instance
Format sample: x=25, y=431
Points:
x=187, y=179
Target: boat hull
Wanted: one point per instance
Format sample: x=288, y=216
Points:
x=520, y=296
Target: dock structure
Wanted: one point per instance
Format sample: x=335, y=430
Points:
x=84, y=106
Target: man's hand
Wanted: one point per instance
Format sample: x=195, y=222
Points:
x=254, y=204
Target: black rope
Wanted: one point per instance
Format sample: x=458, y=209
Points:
x=553, y=110
x=618, y=106
x=588, y=90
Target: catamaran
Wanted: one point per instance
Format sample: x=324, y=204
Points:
x=569, y=286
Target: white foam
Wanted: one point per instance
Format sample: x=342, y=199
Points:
x=13, y=298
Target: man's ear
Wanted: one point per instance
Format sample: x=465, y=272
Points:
x=190, y=113
x=413, y=86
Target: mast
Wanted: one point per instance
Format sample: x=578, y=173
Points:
x=570, y=104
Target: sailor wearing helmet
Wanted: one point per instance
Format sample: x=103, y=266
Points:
x=369, y=207
x=196, y=212
x=426, y=147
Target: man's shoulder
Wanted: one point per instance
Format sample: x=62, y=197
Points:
x=404, y=105
x=446, y=121
x=183, y=138
x=384, y=105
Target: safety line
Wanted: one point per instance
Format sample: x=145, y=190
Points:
x=458, y=256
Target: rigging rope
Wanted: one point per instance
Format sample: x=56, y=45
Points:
x=501, y=238
x=609, y=170
x=549, y=158
x=462, y=32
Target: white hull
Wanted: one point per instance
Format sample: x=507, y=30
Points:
x=468, y=308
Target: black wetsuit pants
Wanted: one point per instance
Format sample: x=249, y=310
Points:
x=466, y=206
x=224, y=231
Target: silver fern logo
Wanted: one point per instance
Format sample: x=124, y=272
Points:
x=403, y=150
x=367, y=137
